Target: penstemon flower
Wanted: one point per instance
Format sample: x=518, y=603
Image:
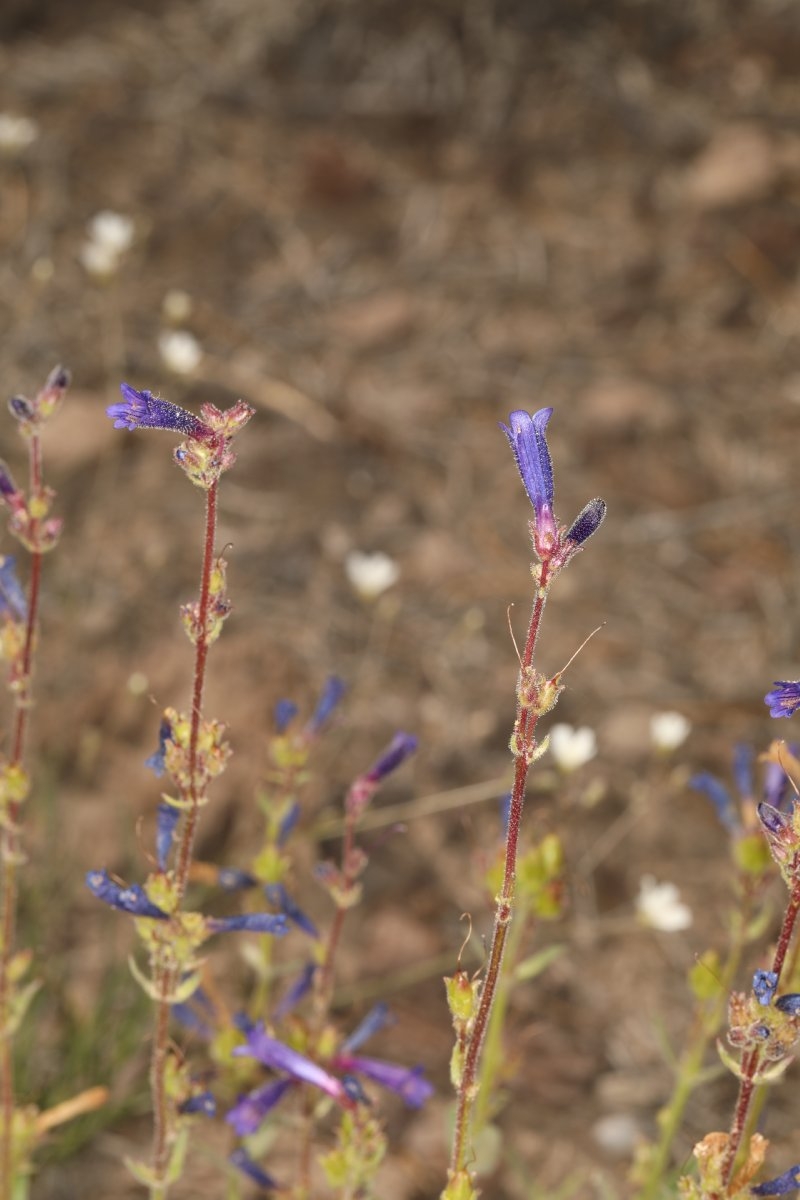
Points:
x=784, y=699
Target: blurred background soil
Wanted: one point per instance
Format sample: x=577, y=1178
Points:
x=395, y=224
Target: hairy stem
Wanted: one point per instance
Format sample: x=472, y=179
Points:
x=527, y=717
x=162, y=1131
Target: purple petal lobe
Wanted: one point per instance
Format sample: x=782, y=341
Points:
x=789, y=1003
x=784, y=699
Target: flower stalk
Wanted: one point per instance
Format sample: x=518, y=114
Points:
x=554, y=546
x=31, y=524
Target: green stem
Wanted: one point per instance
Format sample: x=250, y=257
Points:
x=707, y=1024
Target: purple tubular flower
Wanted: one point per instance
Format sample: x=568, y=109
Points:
x=288, y=822
x=143, y=410
x=719, y=796
x=790, y=1003
x=249, y=923
x=587, y=522
x=505, y=813
x=166, y=823
x=332, y=693
x=275, y=1054
x=276, y=894
x=764, y=985
x=187, y=1015
x=244, y=1163
x=376, y=1019
x=250, y=1111
x=776, y=783
x=12, y=597
x=784, y=699
x=243, y=1023
x=401, y=747
x=8, y=488
x=743, y=768
x=285, y=712
x=203, y=1102
x=526, y=436
x=409, y=1083
x=131, y=899
x=157, y=762
x=295, y=993
x=788, y=1182
x=232, y=880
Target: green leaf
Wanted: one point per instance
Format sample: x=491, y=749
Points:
x=535, y=964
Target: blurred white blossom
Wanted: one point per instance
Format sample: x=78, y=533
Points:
x=668, y=730
x=176, y=307
x=110, y=235
x=370, y=574
x=180, y=351
x=16, y=133
x=659, y=905
x=570, y=747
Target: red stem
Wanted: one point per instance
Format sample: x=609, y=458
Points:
x=527, y=717
x=164, y=977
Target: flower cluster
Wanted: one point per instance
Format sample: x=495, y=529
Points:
x=206, y=451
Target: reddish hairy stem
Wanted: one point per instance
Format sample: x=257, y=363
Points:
x=10, y=838
x=524, y=731
x=752, y=1060
x=165, y=980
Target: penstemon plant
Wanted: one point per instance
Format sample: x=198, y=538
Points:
x=306, y=1054
x=192, y=751
x=471, y=1000
x=22, y=1127
x=764, y=1023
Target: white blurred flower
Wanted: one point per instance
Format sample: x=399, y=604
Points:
x=16, y=133
x=110, y=235
x=571, y=748
x=617, y=1134
x=180, y=351
x=176, y=307
x=659, y=905
x=668, y=730
x=370, y=574
x=113, y=230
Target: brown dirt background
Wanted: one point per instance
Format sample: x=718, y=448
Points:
x=398, y=222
